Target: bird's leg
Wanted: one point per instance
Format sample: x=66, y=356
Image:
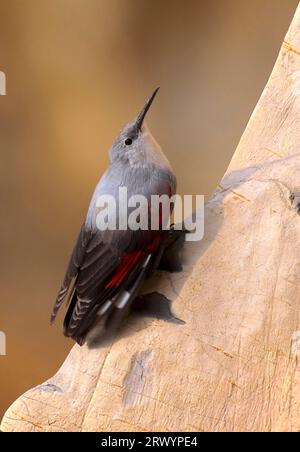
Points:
x=170, y=260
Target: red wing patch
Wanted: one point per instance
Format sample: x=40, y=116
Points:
x=127, y=263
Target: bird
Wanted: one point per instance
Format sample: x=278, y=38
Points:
x=108, y=267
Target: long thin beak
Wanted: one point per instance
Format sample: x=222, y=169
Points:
x=141, y=116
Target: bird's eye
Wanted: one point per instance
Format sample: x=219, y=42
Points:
x=128, y=141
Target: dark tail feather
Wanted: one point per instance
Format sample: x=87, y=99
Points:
x=66, y=292
x=69, y=313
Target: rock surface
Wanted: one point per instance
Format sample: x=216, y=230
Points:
x=233, y=366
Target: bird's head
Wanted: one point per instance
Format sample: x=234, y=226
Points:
x=135, y=145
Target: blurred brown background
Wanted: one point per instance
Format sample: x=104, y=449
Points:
x=77, y=70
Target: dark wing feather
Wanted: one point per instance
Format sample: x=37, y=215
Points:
x=91, y=262
x=100, y=263
x=72, y=271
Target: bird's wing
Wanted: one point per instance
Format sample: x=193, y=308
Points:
x=107, y=268
x=107, y=274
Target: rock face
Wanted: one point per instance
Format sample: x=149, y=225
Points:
x=233, y=366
